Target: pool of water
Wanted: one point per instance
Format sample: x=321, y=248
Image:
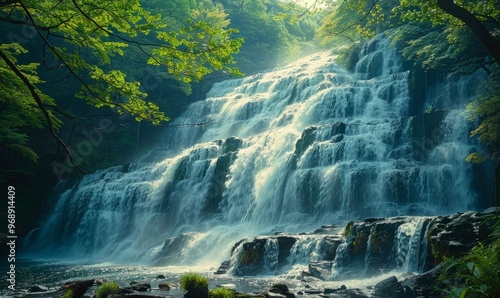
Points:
x=54, y=273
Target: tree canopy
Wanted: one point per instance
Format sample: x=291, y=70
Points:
x=454, y=37
x=85, y=39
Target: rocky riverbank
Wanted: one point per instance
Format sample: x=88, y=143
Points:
x=371, y=247
x=411, y=247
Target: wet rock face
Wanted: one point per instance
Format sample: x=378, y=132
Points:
x=306, y=140
x=456, y=235
x=252, y=258
x=370, y=244
x=367, y=248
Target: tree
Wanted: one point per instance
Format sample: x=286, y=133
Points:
x=439, y=35
x=85, y=38
x=481, y=17
x=271, y=38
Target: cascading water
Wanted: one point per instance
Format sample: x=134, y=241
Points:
x=408, y=245
x=281, y=151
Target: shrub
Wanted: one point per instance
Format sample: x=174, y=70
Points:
x=221, y=293
x=190, y=281
x=106, y=289
x=476, y=274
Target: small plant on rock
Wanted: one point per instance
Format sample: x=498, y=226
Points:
x=191, y=281
x=106, y=289
x=221, y=293
x=68, y=294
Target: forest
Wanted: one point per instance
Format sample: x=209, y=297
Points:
x=88, y=85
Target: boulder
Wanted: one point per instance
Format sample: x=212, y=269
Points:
x=164, y=286
x=330, y=244
x=38, y=289
x=331, y=291
x=100, y=281
x=138, y=295
x=79, y=287
x=306, y=139
x=337, y=138
x=321, y=269
x=223, y=268
x=197, y=292
x=160, y=276
x=251, y=260
x=140, y=287
x=232, y=144
x=338, y=128
x=281, y=289
x=422, y=285
x=389, y=288
x=313, y=291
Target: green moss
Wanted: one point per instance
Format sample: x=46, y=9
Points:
x=348, y=228
x=68, y=294
x=250, y=256
x=191, y=281
x=360, y=242
x=221, y=293
x=106, y=289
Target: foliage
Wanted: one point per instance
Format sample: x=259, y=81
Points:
x=272, y=34
x=449, y=50
x=434, y=40
x=485, y=108
x=86, y=38
x=190, y=281
x=106, y=289
x=477, y=274
x=68, y=294
x=19, y=110
x=485, y=10
x=428, y=36
x=221, y=293
x=352, y=20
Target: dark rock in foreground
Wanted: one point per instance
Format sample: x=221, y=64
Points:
x=370, y=247
x=38, y=289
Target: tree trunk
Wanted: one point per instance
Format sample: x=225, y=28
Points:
x=489, y=42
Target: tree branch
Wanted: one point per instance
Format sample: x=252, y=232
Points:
x=491, y=44
x=4, y=3
x=39, y=102
x=374, y=2
x=58, y=55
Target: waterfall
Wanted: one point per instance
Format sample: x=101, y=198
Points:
x=271, y=255
x=410, y=246
x=281, y=151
